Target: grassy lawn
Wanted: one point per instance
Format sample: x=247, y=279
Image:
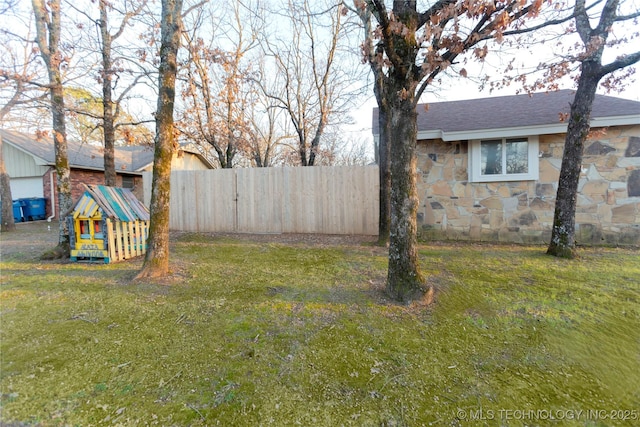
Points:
x=283, y=334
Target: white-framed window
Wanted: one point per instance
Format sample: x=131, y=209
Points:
x=503, y=159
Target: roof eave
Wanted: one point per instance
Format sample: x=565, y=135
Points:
x=524, y=130
x=140, y=170
x=98, y=169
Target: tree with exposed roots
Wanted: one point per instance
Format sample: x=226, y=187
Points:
x=156, y=262
x=414, y=47
x=592, y=71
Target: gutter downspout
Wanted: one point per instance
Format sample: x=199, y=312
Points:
x=53, y=199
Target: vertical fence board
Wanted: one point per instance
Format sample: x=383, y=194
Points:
x=205, y=205
x=147, y=181
x=203, y=200
x=183, y=195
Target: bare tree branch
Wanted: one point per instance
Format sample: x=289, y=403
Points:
x=620, y=63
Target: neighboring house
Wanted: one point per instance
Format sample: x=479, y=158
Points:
x=488, y=169
x=30, y=163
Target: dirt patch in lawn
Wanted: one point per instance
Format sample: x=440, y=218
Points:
x=29, y=241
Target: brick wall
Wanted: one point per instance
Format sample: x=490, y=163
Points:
x=78, y=178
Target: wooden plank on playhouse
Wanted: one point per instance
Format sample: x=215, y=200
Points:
x=125, y=202
x=111, y=247
x=118, y=227
x=138, y=238
x=122, y=203
x=139, y=209
x=132, y=239
x=125, y=240
x=102, y=201
x=111, y=195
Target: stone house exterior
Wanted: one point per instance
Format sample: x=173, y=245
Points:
x=30, y=163
x=489, y=168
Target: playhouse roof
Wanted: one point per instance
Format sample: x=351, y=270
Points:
x=116, y=203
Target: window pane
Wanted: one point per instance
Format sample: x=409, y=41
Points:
x=517, y=156
x=128, y=182
x=491, y=162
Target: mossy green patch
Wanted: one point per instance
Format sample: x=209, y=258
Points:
x=275, y=334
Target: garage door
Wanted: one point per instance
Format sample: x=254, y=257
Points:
x=26, y=187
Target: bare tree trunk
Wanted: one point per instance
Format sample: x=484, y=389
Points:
x=563, y=239
x=63, y=171
x=107, y=99
x=374, y=55
x=404, y=280
x=48, y=27
x=315, y=142
x=8, y=223
x=156, y=263
x=384, y=221
x=310, y=77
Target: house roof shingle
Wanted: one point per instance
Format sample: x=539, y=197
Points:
x=517, y=111
x=131, y=159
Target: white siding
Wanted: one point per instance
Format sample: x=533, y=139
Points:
x=186, y=161
x=21, y=165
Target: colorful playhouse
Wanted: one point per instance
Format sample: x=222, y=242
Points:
x=108, y=223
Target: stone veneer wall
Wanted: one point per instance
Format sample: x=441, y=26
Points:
x=608, y=209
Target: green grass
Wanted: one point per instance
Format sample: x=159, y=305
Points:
x=268, y=334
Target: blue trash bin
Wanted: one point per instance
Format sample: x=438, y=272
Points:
x=17, y=211
x=34, y=208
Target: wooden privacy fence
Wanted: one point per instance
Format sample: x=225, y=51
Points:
x=323, y=200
